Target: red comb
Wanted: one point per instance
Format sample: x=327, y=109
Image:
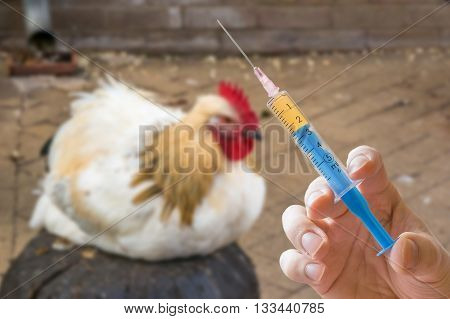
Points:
x=235, y=96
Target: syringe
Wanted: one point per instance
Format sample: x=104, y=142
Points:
x=320, y=155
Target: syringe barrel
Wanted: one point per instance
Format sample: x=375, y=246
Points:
x=324, y=161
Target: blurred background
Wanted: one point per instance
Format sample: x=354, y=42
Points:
x=397, y=100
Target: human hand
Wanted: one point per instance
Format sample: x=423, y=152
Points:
x=336, y=255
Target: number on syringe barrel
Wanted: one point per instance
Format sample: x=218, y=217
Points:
x=322, y=159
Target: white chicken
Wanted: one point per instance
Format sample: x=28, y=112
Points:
x=98, y=175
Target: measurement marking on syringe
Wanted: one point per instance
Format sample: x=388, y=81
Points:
x=287, y=112
x=314, y=160
x=320, y=163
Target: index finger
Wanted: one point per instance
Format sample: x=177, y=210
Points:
x=365, y=163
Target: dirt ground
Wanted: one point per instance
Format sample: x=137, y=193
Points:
x=396, y=101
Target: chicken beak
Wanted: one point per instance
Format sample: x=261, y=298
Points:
x=257, y=135
x=254, y=133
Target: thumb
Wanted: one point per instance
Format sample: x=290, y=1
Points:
x=421, y=255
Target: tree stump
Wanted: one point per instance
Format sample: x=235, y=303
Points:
x=91, y=273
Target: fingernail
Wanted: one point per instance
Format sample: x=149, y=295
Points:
x=410, y=254
x=356, y=163
x=311, y=243
x=314, y=195
x=282, y=260
x=314, y=271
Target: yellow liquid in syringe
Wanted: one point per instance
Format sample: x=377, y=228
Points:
x=287, y=111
